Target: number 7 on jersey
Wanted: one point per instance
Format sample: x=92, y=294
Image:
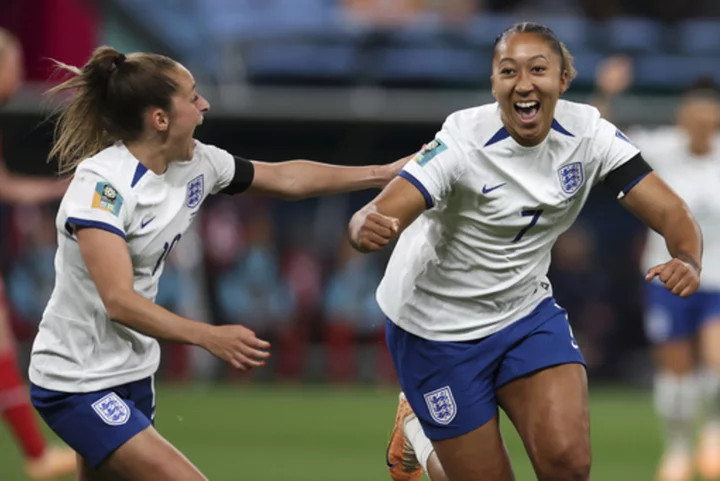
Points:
x=535, y=213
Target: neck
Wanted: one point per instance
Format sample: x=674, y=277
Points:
x=525, y=141
x=151, y=155
x=700, y=147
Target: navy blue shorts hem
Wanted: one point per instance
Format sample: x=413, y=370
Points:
x=537, y=370
x=438, y=434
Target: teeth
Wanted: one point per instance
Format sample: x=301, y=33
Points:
x=526, y=105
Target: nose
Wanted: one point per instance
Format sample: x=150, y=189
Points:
x=524, y=84
x=204, y=105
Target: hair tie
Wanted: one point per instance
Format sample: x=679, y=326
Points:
x=119, y=60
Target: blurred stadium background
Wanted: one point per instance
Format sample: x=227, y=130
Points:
x=350, y=82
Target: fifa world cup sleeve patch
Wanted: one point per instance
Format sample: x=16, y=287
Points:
x=430, y=151
x=107, y=198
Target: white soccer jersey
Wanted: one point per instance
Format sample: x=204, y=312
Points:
x=477, y=259
x=697, y=181
x=78, y=348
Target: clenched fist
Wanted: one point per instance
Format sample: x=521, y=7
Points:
x=680, y=277
x=372, y=231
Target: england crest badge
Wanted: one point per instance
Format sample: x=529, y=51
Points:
x=571, y=176
x=195, y=191
x=112, y=410
x=441, y=405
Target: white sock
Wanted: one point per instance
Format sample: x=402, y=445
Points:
x=421, y=444
x=676, y=402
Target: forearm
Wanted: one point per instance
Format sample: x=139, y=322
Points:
x=311, y=179
x=144, y=316
x=682, y=236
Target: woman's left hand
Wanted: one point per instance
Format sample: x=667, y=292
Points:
x=678, y=276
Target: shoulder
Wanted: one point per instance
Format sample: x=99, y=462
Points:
x=112, y=165
x=577, y=119
x=475, y=125
x=209, y=153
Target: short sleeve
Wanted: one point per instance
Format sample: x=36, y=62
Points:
x=93, y=201
x=612, y=148
x=437, y=167
x=220, y=166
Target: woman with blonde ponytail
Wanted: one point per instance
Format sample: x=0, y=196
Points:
x=41, y=461
x=139, y=178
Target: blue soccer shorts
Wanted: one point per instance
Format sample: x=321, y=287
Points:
x=669, y=317
x=451, y=386
x=96, y=424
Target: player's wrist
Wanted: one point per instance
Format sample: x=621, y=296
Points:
x=200, y=334
x=688, y=260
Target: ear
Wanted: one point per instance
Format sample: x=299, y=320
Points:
x=492, y=85
x=564, y=81
x=159, y=119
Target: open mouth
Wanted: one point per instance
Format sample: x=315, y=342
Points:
x=527, y=111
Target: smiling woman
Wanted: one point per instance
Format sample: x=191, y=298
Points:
x=139, y=179
x=528, y=79
x=472, y=323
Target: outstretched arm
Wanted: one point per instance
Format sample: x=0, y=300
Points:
x=27, y=190
x=299, y=179
x=108, y=262
x=660, y=208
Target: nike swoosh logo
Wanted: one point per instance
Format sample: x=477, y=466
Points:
x=144, y=222
x=486, y=190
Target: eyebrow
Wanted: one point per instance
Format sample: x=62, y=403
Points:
x=508, y=59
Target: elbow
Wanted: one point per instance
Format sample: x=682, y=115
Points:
x=677, y=212
x=116, y=304
x=291, y=189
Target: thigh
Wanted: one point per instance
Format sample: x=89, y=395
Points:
x=675, y=356
x=477, y=455
x=147, y=456
x=709, y=343
x=550, y=412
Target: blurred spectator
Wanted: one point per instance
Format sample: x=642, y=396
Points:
x=32, y=272
x=351, y=312
x=455, y=12
x=252, y=292
x=384, y=13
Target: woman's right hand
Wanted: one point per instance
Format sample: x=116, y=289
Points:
x=371, y=231
x=237, y=345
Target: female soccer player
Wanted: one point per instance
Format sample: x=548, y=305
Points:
x=139, y=180
x=687, y=155
x=472, y=324
x=42, y=462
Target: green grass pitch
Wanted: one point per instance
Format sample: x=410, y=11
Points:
x=261, y=433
